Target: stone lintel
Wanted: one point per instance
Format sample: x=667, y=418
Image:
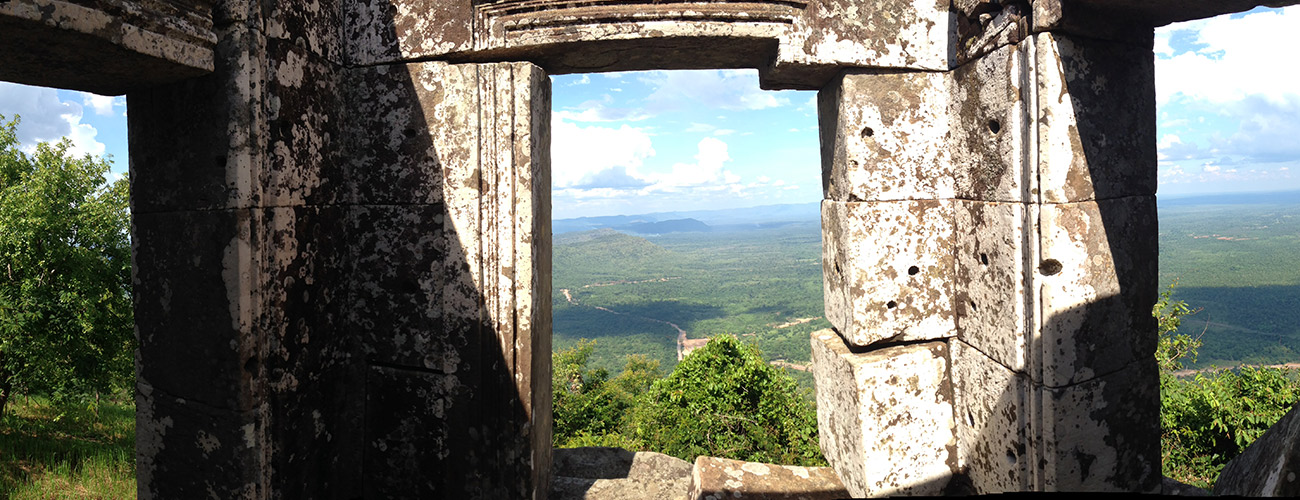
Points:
x=108, y=47
x=1148, y=12
x=793, y=44
x=885, y=416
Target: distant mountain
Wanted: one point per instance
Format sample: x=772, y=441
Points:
x=1269, y=198
x=733, y=218
x=668, y=226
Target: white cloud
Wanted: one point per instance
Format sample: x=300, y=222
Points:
x=598, y=110
x=584, y=156
x=1230, y=58
x=102, y=104
x=46, y=118
x=723, y=89
x=707, y=173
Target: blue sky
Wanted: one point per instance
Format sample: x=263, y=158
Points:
x=1228, y=105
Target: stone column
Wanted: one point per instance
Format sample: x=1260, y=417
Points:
x=338, y=291
x=451, y=284
x=884, y=394
x=990, y=237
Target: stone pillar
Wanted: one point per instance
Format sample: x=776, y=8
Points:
x=1003, y=210
x=884, y=396
x=338, y=291
x=451, y=284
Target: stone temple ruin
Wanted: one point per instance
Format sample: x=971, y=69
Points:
x=342, y=239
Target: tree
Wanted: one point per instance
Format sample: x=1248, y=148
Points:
x=65, y=272
x=1211, y=418
x=723, y=400
x=589, y=408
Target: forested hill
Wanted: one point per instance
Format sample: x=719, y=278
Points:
x=726, y=219
x=644, y=294
x=1236, y=258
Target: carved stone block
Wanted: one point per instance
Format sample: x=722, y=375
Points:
x=1102, y=434
x=885, y=416
x=885, y=136
x=1096, y=119
x=993, y=303
x=992, y=413
x=197, y=297
x=1097, y=275
x=888, y=269
x=990, y=119
x=304, y=129
x=207, y=154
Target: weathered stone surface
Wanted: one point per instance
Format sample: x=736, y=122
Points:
x=1097, y=274
x=990, y=117
x=450, y=273
x=1095, y=119
x=1017, y=435
x=177, y=437
x=1268, y=467
x=354, y=261
x=315, y=27
x=1150, y=12
x=208, y=153
x=303, y=164
x=795, y=44
x=1099, y=435
x=615, y=473
x=870, y=33
x=984, y=26
x=197, y=301
x=716, y=478
x=105, y=46
x=885, y=417
x=993, y=305
x=888, y=269
x=885, y=136
x=993, y=418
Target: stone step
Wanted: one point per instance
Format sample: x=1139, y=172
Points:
x=618, y=474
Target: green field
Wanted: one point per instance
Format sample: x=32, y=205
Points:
x=1240, y=265
x=1237, y=259
x=627, y=291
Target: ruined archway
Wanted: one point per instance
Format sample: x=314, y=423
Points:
x=340, y=220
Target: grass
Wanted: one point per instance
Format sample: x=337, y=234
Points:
x=83, y=451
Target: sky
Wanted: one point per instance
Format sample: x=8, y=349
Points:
x=1228, y=120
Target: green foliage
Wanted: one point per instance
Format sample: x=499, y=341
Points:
x=1173, y=348
x=65, y=273
x=588, y=407
x=725, y=400
x=1211, y=418
x=722, y=400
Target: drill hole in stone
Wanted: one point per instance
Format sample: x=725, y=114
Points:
x=984, y=259
x=994, y=127
x=912, y=271
x=867, y=132
x=1050, y=267
x=891, y=304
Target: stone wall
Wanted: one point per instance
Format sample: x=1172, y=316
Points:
x=342, y=241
